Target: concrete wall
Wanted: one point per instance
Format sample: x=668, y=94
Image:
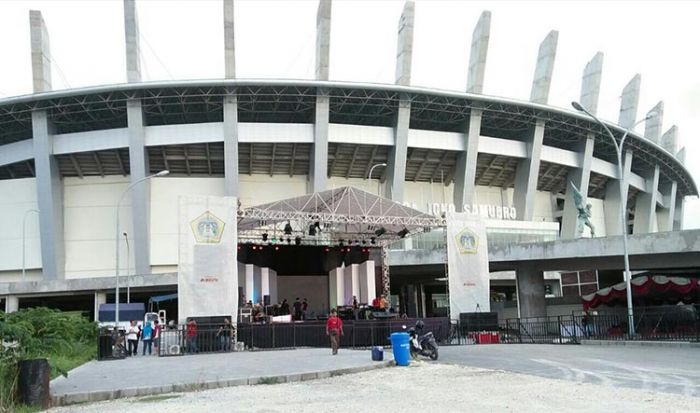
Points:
x=16, y=197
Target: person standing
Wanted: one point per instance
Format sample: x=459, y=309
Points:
x=304, y=308
x=156, y=336
x=224, y=334
x=297, y=309
x=284, y=307
x=192, y=337
x=132, y=338
x=334, y=329
x=355, y=308
x=146, y=337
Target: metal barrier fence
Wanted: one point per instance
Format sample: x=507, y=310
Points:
x=660, y=323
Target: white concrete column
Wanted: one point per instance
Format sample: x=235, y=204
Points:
x=678, y=216
x=264, y=282
x=100, y=298
x=580, y=177
x=611, y=205
x=230, y=123
x=404, y=48
x=273, y=286
x=140, y=193
x=257, y=284
x=131, y=35
x=465, y=174
x=250, y=283
x=477, y=55
x=11, y=303
x=355, y=271
x=666, y=215
x=669, y=140
x=527, y=172
x=629, y=102
x=396, y=169
x=590, y=84
x=41, y=52
x=653, y=125
x=336, y=287
x=531, y=300
x=318, y=173
x=645, y=207
x=367, y=284
x=545, y=67
x=49, y=198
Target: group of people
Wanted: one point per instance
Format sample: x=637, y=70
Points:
x=148, y=334
x=298, y=310
x=223, y=336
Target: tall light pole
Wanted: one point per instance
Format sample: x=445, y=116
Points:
x=116, y=266
x=128, y=256
x=24, y=241
x=369, y=175
x=623, y=204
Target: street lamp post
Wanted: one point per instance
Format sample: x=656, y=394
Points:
x=116, y=267
x=369, y=175
x=24, y=240
x=623, y=205
x=128, y=256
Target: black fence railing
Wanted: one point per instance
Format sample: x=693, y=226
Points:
x=660, y=323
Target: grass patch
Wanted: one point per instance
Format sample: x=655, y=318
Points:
x=153, y=399
x=268, y=380
x=80, y=354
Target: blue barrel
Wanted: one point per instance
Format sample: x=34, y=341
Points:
x=377, y=353
x=400, y=348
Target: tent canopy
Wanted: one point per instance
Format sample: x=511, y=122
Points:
x=333, y=216
x=648, y=290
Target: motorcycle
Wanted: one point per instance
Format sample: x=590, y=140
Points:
x=422, y=344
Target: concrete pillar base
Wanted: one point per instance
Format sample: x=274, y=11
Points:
x=530, y=284
x=100, y=298
x=11, y=303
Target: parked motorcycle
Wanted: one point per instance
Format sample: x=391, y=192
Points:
x=422, y=344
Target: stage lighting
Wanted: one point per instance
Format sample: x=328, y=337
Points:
x=372, y=240
x=264, y=236
x=289, y=240
x=381, y=231
x=255, y=247
x=277, y=247
x=312, y=230
x=288, y=229
x=297, y=241
x=340, y=244
x=402, y=233
x=327, y=249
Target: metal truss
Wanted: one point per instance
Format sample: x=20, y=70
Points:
x=362, y=104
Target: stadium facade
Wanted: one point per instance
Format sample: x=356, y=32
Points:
x=68, y=155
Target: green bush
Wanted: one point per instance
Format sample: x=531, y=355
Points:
x=66, y=339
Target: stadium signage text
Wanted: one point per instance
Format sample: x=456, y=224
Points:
x=483, y=210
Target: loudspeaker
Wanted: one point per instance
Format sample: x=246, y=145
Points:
x=266, y=300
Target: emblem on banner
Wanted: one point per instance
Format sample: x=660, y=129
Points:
x=207, y=228
x=467, y=242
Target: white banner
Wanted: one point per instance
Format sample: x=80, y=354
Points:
x=468, y=264
x=207, y=281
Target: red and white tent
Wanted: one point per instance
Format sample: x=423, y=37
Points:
x=647, y=290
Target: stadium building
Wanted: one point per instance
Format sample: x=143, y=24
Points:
x=67, y=156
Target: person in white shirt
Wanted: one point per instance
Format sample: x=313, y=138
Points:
x=132, y=337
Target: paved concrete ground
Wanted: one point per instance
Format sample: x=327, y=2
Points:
x=670, y=370
x=139, y=376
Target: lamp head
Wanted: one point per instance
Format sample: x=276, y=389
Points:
x=650, y=115
x=577, y=106
x=382, y=164
x=163, y=173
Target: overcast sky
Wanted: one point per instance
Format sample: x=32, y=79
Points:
x=275, y=39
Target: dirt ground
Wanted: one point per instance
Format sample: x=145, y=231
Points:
x=422, y=386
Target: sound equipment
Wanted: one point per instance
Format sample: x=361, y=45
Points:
x=266, y=300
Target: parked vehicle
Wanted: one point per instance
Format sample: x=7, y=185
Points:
x=422, y=344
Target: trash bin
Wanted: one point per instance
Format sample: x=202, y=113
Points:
x=33, y=382
x=104, y=347
x=377, y=353
x=400, y=348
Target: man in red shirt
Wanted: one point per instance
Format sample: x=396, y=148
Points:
x=192, y=337
x=334, y=329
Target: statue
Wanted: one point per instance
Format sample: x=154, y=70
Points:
x=584, y=213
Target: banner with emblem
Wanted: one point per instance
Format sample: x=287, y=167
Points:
x=468, y=264
x=207, y=280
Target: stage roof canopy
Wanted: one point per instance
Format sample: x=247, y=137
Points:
x=329, y=217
